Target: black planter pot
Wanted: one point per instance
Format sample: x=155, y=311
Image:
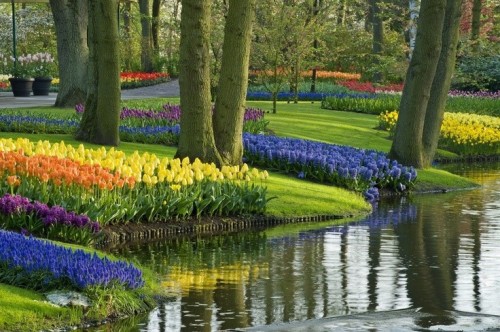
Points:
x=21, y=87
x=41, y=86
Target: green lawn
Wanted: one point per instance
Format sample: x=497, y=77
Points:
x=24, y=310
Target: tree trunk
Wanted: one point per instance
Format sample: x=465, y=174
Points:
x=378, y=37
x=407, y=146
x=342, y=12
x=101, y=118
x=197, y=138
x=233, y=82
x=476, y=20
x=442, y=80
x=126, y=31
x=146, y=47
x=155, y=26
x=412, y=30
x=71, y=19
x=317, y=5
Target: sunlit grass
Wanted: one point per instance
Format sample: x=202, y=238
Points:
x=24, y=310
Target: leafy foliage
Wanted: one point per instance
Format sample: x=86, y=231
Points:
x=475, y=73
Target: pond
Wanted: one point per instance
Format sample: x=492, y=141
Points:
x=417, y=263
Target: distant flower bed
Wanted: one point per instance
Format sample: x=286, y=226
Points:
x=390, y=88
x=48, y=266
x=465, y=134
x=476, y=94
x=358, y=86
x=305, y=96
x=378, y=103
x=320, y=74
x=110, y=187
x=285, y=96
x=336, y=75
x=136, y=125
x=371, y=104
x=32, y=217
x=131, y=80
x=356, y=169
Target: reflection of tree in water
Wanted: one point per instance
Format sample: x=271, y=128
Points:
x=309, y=272
x=429, y=250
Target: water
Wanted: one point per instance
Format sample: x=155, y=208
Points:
x=429, y=262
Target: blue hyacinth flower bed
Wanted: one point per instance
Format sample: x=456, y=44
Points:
x=28, y=257
x=305, y=96
x=357, y=169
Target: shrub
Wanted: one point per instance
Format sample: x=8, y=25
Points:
x=476, y=73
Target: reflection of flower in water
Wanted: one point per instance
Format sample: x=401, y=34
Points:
x=182, y=279
x=385, y=216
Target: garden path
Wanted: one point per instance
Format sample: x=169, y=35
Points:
x=167, y=89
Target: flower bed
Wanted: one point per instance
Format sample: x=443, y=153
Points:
x=370, y=104
x=23, y=215
x=357, y=169
x=335, y=75
x=474, y=94
x=43, y=265
x=137, y=125
x=465, y=134
x=358, y=86
x=130, y=80
x=379, y=103
x=110, y=187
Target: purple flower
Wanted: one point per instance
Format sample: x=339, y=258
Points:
x=15, y=204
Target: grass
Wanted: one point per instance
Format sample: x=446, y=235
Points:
x=24, y=310
x=302, y=198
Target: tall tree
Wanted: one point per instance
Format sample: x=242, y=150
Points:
x=427, y=83
x=476, y=20
x=155, y=26
x=315, y=11
x=378, y=35
x=412, y=30
x=233, y=83
x=71, y=19
x=146, y=38
x=442, y=80
x=127, y=37
x=197, y=137
x=101, y=118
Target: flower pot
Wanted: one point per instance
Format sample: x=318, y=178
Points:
x=21, y=87
x=41, y=86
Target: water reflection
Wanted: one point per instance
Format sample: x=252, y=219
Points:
x=438, y=253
